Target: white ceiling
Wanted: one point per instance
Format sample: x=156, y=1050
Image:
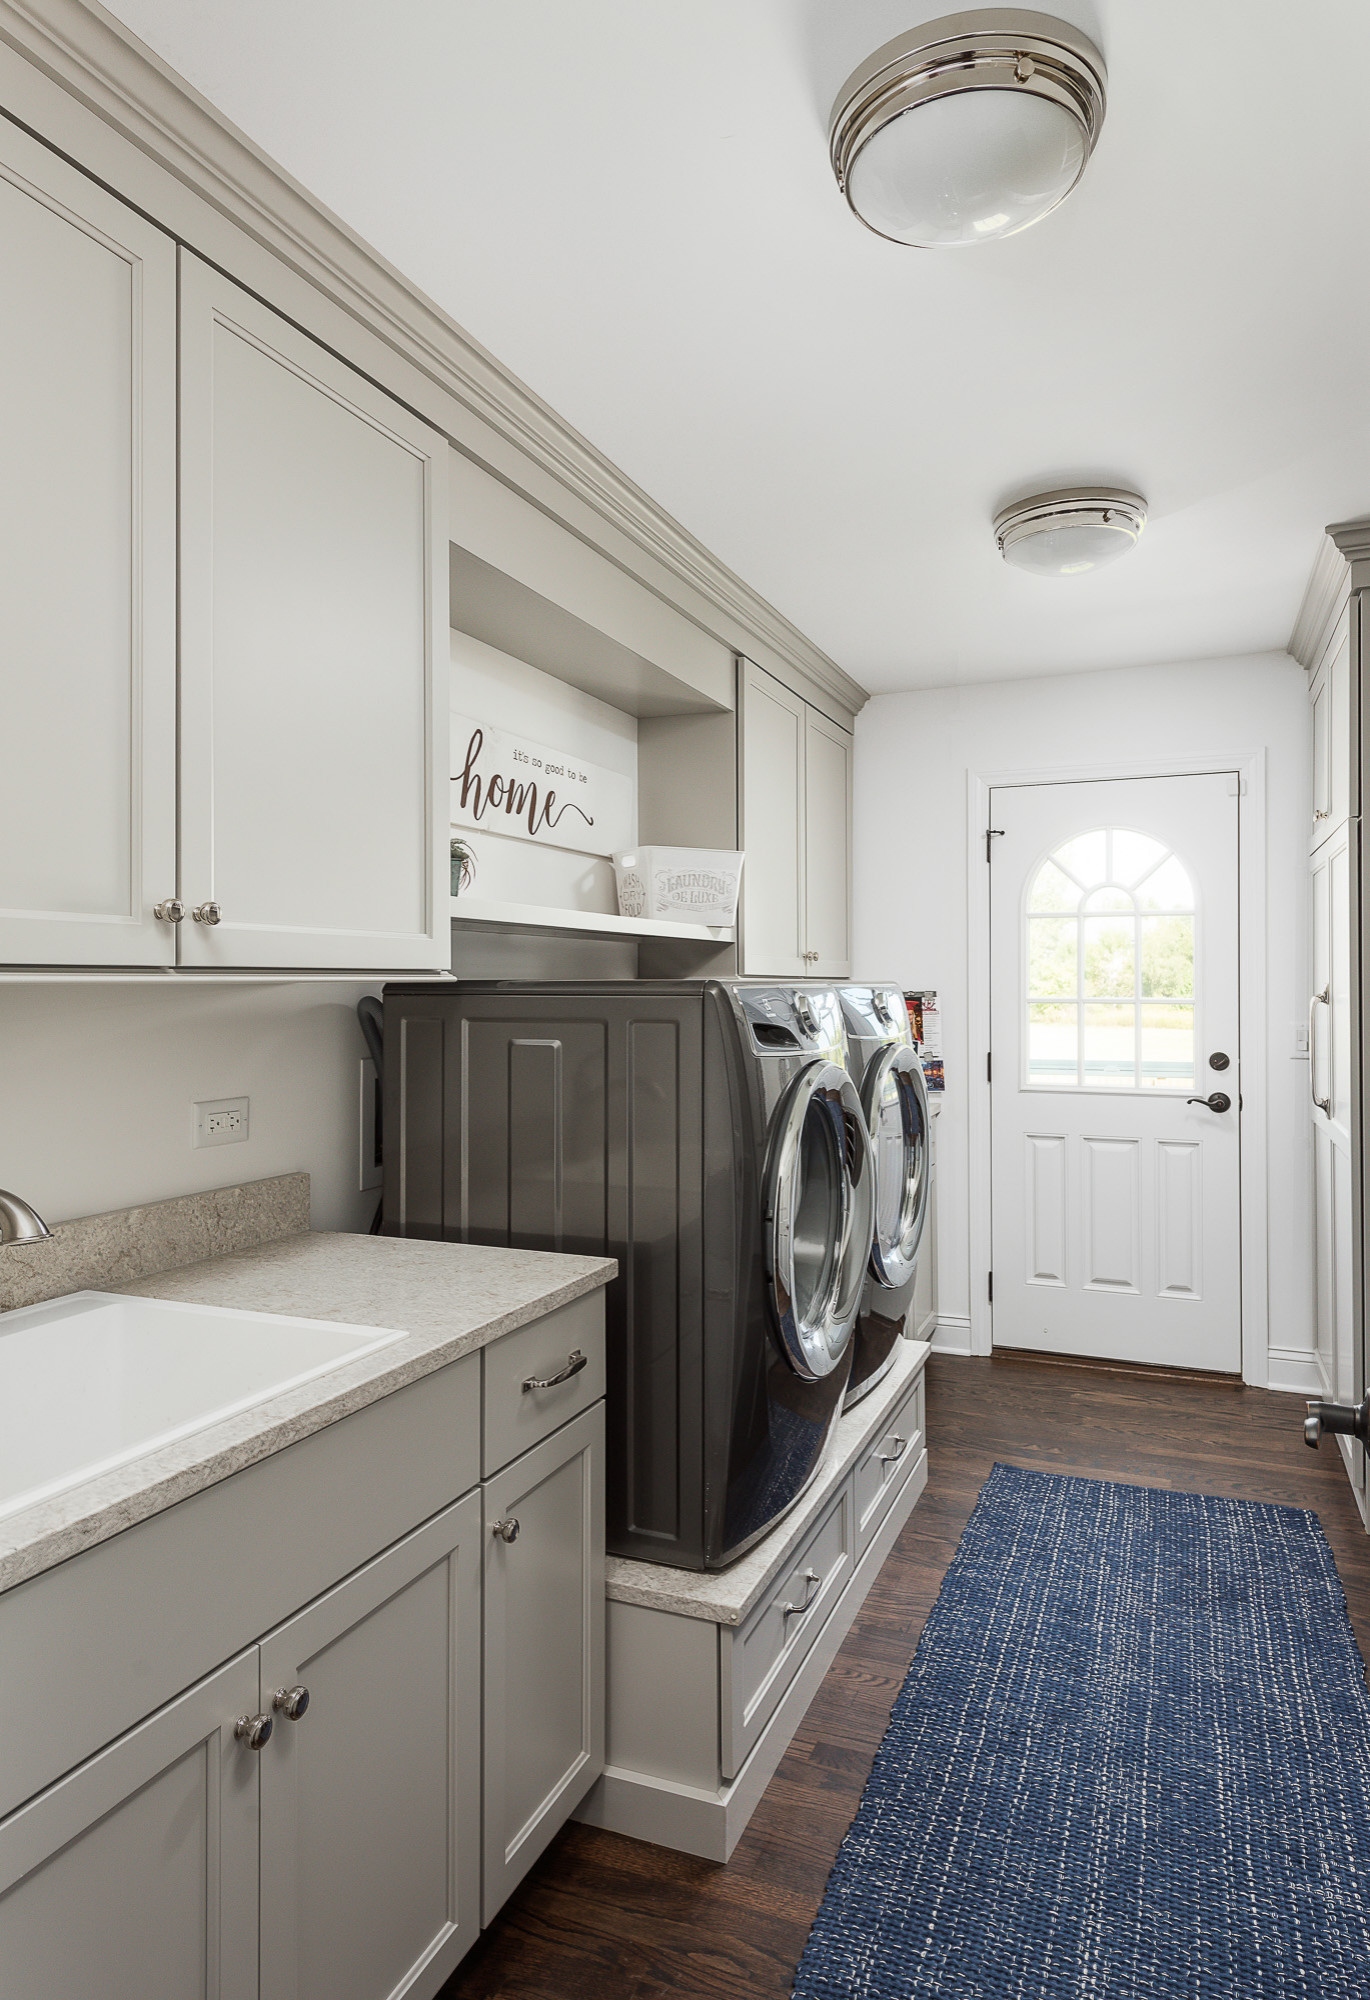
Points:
x=629, y=202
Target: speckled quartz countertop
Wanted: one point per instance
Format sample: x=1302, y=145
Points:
x=447, y=1299
x=724, y=1597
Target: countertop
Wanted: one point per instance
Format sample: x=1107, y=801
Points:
x=448, y=1299
x=724, y=1597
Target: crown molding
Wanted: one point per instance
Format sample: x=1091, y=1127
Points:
x=1328, y=585
x=95, y=59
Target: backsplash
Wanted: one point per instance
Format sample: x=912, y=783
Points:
x=97, y=1252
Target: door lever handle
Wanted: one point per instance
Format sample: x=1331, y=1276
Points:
x=1350, y=1419
x=1219, y=1101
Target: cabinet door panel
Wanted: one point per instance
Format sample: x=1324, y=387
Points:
x=827, y=847
x=371, y=1800
x=314, y=583
x=773, y=915
x=87, y=570
x=544, y=1647
x=137, y=1874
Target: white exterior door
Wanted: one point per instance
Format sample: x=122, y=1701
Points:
x=313, y=631
x=87, y=570
x=1114, y=1001
x=371, y=1798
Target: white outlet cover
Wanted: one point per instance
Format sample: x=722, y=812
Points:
x=221, y=1121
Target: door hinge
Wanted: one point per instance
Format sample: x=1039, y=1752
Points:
x=991, y=1288
x=992, y=833
x=989, y=1065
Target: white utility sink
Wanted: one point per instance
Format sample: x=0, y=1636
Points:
x=92, y=1380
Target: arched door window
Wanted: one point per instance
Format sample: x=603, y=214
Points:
x=1110, y=966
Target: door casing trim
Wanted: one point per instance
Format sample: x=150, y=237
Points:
x=1254, y=1219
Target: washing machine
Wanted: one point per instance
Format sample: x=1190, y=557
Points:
x=884, y=1066
x=708, y=1135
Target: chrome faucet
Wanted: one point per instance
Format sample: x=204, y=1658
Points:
x=18, y=1222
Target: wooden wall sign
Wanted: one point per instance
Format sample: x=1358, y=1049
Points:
x=509, y=784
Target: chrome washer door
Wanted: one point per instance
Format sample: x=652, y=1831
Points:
x=894, y=1098
x=819, y=1201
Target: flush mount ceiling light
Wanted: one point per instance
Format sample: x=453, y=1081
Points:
x=1068, y=532
x=969, y=128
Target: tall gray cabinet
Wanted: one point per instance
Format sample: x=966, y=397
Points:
x=1330, y=641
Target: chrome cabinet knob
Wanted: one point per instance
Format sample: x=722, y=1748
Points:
x=253, y=1730
x=508, y=1531
x=171, y=911
x=290, y=1702
x=207, y=913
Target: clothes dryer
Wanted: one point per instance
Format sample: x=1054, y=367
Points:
x=708, y=1135
x=884, y=1064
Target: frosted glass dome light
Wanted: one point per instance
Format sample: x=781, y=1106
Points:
x=969, y=128
x=1070, y=532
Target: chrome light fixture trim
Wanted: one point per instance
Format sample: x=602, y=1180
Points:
x=1008, y=49
x=1088, y=509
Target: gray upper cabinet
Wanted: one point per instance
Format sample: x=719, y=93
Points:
x=313, y=598
x=796, y=832
x=1335, y=778
x=87, y=570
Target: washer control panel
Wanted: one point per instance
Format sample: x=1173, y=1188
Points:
x=788, y=1020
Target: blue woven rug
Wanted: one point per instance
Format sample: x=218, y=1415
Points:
x=1131, y=1758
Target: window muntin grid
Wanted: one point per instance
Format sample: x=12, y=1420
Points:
x=1109, y=926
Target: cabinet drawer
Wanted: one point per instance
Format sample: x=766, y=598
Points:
x=524, y=1399
x=759, y=1661
x=886, y=1464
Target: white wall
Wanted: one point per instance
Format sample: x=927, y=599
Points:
x=96, y=1085
x=913, y=756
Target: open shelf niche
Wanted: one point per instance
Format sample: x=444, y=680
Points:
x=527, y=588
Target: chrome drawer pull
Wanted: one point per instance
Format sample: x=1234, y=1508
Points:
x=901, y=1445
x=575, y=1361
x=811, y=1580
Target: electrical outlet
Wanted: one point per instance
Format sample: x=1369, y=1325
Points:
x=220, y=1121
x=369, y=1125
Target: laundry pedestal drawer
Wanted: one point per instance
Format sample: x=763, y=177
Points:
x=757, y=1663
x=709, y=1675
x=886, y=1464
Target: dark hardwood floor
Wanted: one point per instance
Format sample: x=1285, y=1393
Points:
x=603, y=1918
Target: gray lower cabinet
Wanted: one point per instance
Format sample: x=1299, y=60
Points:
x=544, y=1646
x=136, y=1875
x=370, y=1811
x=339, y=1854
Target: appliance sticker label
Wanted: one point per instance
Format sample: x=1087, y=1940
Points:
x=509, y=784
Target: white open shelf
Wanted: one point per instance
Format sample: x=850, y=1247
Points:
x=588, y=923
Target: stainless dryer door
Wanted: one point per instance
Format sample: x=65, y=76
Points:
x=895, y=1100
x=819, y=1203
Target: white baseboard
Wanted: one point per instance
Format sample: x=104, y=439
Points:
x=710, y=1823
x=952, y=1334
x=1295, y=1371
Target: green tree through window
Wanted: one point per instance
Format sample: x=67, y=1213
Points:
x=1109, y=960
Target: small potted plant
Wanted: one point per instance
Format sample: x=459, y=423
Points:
x=463, y=865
